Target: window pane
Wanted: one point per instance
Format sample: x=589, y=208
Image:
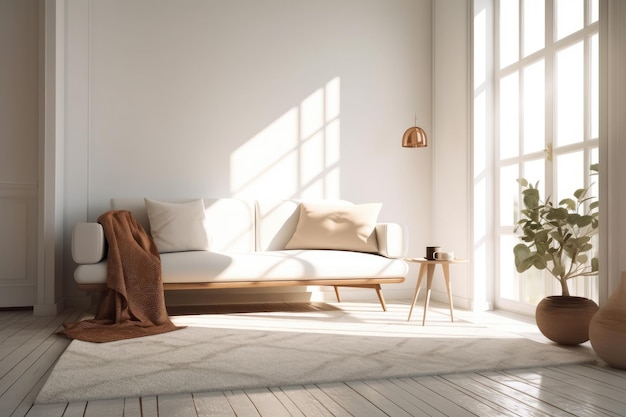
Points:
x=595, y=11
x=534, y=107
x=571, y=171
x=533, y=283
x=535, y=172
x=570, y=100
x=509, y=32
x=509, y=116
x=594, y=99
x=509, y=282
x=570, y=17
x=534, y=26
x=509, y=195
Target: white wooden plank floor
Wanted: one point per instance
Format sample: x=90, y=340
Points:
x=29, y=347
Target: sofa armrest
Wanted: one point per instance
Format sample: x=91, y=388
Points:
x=88, y=243
x=393, y=239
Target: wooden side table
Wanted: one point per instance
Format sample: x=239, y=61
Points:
x=428, y=267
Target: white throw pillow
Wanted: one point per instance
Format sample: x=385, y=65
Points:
x=177, y=227
x=339, y=227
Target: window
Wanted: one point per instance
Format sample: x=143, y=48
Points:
x=546, y=124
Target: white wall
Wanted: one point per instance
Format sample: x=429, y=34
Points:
x=451, y=144
x=247, y=98
x=167, y=98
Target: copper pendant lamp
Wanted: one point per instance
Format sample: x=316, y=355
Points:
x=414, y=137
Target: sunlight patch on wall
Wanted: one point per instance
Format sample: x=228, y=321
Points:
x=295, y=156
x=270, y=157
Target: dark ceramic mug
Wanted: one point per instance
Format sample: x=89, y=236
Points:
x=430, y=252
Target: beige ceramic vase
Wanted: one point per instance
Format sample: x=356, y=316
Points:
x=607, y=330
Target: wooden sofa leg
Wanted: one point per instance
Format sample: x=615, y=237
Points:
x=377, y=287
x=337, y=294
x=379, y=292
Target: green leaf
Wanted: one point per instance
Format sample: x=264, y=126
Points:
x=542, y=236
x=573, y=218
x=525, y=265
x=557, y=236
x=540, y=263
x=569, y=203
x=531, y=198
x=595, y=263
x=584, y=221
x=523, y=182
x=580, y=193
x=586, y=247
x=521, y=251
x=523, y=257
x=558, y=214
x=542, y=247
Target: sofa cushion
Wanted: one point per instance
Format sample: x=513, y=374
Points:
x=276, y=221
x=198, y=267
x=230, y=222
x=285, y=265
x=177, y=227
x=339, y=227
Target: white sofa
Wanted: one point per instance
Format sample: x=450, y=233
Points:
x=247, y=241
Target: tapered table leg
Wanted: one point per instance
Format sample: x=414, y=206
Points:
x=446, y=277
x=429, y=284
x=420, y=277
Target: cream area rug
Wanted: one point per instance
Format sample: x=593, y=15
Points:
x=344, y=342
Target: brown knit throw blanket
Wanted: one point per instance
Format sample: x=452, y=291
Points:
x=133, y=304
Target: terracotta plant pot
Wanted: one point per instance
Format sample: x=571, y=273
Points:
x=607, y=330
x=565, y=319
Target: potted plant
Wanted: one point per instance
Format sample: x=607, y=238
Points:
x=557, y=238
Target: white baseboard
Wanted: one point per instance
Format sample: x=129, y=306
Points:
x=43, y=310
x=459, y=302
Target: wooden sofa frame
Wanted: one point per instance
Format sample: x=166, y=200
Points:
x=356, y=283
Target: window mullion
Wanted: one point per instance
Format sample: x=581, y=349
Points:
x=587, y=88
x=550, y=89
x=520, y=78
